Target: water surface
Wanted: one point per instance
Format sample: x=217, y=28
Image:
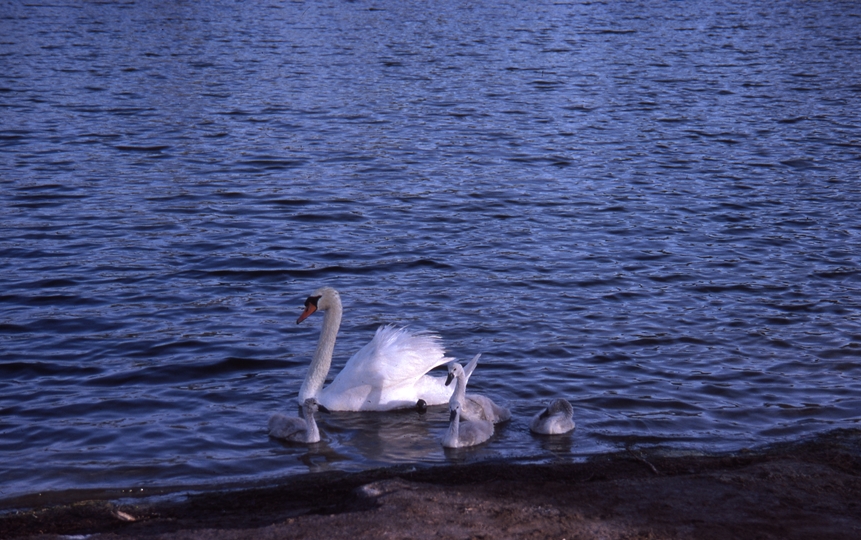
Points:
x=651, y=209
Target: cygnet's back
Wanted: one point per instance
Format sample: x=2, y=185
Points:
x=292, y=428
x=555, y=419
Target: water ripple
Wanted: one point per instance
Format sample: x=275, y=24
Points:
x=647, y=208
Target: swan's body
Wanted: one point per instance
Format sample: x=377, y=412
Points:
x=473, y=406
x=554, y=419
x=388, y=373
x=466, y=433
x=296, y=429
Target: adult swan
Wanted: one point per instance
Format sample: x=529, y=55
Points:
x=388, y=373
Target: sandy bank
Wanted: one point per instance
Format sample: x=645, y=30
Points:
x=807, y=489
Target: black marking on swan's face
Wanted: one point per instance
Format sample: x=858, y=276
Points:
x=310, y=308
x=453, y=415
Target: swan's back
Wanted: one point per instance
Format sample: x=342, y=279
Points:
x=389, y=372
x=555, y=419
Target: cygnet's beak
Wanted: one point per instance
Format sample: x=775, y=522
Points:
x=449, y=378
x=322, y=409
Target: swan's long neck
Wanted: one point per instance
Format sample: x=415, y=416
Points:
x=319, y=367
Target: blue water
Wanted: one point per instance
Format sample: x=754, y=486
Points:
x=650, y=208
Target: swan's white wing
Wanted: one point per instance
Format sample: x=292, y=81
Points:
x=433, y=390
x=387, y=373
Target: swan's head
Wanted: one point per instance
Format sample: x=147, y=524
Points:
x=454, y=370
x=320, y=300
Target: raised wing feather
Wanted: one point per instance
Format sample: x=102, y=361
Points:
x=388, y=372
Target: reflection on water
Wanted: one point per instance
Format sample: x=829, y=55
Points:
x=398, y=437
x=558, y=446
x=402, y=437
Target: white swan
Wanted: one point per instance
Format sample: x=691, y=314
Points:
x=388, y=373
x=466, y=433
x=473, y=406
x=555, y=419
x=296, y=429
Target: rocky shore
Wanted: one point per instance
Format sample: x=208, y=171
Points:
x=806, y=489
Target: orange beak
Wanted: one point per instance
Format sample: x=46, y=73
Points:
x=309, y=309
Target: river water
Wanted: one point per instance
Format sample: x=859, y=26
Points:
x=652, y=209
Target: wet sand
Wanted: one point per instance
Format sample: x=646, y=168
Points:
x=807, y=489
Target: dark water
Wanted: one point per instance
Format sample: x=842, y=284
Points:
x=650, y=208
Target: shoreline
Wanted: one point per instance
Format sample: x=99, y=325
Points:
x=805, y=489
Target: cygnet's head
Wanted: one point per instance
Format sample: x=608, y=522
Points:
x=561, y=406
x=454, y=407
x=320, y=300
x=311, y=406
x=454, y=370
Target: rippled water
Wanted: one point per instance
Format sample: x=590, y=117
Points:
x=650, y=208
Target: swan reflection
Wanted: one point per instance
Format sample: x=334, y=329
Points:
x=357, y=441
x=391, y=437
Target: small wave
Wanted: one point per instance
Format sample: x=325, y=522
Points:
x=273, y=163
x=158, y=148
x=183, y=372
x=718, y=289
x=841, y=272
x=33, y=370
